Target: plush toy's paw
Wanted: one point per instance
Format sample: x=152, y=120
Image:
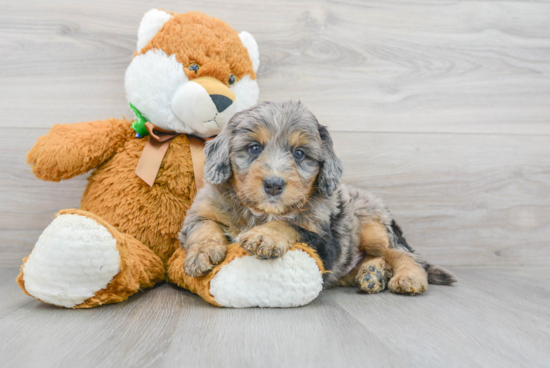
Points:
x=73, y=259
x=264, y=243
x=373, y=275
x=202, y=257
x=242, y=280
x=292, y=280
x=409, y=284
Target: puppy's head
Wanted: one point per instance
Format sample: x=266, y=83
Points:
x=275, y=155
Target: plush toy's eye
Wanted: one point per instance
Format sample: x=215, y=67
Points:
x=299, y=155
x=194, y=67
x=255, y=150
x=232, y=79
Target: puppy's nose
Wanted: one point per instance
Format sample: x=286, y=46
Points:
x=274, y=185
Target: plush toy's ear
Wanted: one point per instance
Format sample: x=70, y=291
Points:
x=250, y=43
x=331, y=169
x=150, y=24
x=217, y=166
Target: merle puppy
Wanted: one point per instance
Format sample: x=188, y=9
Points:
x=274, y=180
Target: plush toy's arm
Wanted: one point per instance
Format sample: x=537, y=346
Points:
x=241, y=280
x=73, y=149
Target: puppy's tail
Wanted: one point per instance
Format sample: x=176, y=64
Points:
x=436, y=275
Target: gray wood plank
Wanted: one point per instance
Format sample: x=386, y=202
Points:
x=435, y=66
x=491, y=318
x=462, y=199
x=494, y=317
x=167, y=326
x=13, y=297
x=16, y=245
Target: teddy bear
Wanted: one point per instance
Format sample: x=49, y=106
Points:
x=189, y=74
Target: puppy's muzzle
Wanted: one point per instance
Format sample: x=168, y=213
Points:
x=274, y=185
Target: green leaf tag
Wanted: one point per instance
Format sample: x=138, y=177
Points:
x=139, y=124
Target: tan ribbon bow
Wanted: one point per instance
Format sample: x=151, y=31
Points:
x=155, y=149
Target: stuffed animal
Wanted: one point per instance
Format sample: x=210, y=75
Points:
x=189, y=75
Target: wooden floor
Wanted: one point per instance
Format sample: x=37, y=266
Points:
x=495, y=317
x=440, y=107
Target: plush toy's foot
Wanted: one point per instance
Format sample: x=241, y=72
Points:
x=242, y=280
x=80, y=261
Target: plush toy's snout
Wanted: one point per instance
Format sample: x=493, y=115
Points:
x=205, y=104
x=222, y=96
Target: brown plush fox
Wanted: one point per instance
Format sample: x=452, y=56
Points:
x=189, y=75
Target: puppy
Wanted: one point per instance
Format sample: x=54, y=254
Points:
x=274, y=180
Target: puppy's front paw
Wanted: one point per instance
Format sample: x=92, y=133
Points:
x=264, y=243
x=412, y=284
x=201, y=257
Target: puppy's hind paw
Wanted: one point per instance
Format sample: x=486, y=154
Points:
x=408, y=284
x=373, y=276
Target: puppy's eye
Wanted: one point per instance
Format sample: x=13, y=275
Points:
x=232, y=79
x=255, y=150
x=194, y=67
x=299, y=155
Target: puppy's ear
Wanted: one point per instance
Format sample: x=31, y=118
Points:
x=217, y=168
x=331, y=168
